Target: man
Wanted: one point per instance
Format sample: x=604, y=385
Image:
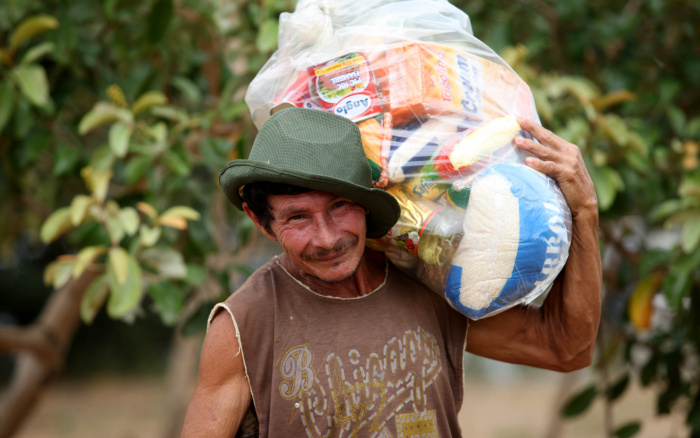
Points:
x=329, y=339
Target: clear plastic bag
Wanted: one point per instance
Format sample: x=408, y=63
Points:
x=437, y=110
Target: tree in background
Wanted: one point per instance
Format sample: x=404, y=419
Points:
x=116, y=116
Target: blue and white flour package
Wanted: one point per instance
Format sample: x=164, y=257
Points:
x=516, y=241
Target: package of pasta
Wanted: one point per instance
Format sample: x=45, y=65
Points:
x=438, y=112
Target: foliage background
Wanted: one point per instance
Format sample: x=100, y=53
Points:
x=618, y=78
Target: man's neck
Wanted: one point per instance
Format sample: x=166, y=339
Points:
x=370, y=273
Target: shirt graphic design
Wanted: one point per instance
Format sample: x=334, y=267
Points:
x=383, y=394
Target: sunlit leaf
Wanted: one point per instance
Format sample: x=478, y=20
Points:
x=148, y=100
x=85, y=257
x=79, y=208
x=690, y=236
x=614, y=128
x=147, y=209
x=183, y=212
x=37, y=52
x=173, y=222
x=167, y=262
x=130, y=220
x=56, y=224
x=119, y=136
x=149, y=236
x=677, y=118
x=119, y=264
x=33, y=83
x=124, y=296
x=59, y=272
x=103, y=113
x=611, y=99
x=639, y=307
x=94, y=298
x=580, y=401
x=30, y=27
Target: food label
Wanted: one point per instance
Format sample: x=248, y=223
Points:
x=345, y=86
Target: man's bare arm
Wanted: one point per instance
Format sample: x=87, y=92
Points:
x=222, y=395
x=561, y=334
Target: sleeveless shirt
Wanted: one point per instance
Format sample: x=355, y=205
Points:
x=386, y=364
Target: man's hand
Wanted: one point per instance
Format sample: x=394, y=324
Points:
x=563, y=162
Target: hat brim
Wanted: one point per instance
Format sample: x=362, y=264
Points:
x=383, y=208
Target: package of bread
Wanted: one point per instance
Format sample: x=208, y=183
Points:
x=437, y=110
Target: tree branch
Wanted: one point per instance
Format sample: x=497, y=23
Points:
x=41, y=351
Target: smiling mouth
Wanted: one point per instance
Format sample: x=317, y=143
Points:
x=338, y=251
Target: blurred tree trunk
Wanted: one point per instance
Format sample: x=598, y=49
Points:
x=41, y=350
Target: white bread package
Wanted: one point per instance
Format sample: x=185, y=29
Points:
x=438, y=112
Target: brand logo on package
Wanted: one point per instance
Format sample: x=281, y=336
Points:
x=345, y=86
x=354, y=105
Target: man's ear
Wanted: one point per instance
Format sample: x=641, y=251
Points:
x=257, y=222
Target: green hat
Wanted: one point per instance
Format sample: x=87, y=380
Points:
x=317, y=150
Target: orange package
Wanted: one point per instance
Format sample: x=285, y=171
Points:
x=419, y=80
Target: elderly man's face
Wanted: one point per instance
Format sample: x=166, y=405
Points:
x=322, y=233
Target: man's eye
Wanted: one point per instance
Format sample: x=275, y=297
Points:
x=340, y=204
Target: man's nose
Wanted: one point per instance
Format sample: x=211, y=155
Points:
x=325, y=232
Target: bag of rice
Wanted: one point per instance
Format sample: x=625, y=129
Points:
x=438, y=111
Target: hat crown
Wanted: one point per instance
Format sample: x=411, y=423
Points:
x=314, y=142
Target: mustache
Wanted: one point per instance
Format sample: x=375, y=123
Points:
x=337, y=248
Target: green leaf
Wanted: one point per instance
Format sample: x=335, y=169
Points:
x=65, y=159
x=33, y=83
x=56, y=224
x=94, y=298
x=618, y=388
x=129, y=219
x=690, y=235
x=176, y=163
x=30, y=27
x=148, y=100
x=119, y=264
x=607, y=183
x=628, y=430
x=119, y=136
x=266, y=40
x=167, y=262
x=37, y=52
x=7, y=102
x=188, y=89
x=580, y=402
x=124, y=296
x=85, y=257
x=103, y=113
x=196, y=275
x=136, y=167
x=197, y=323
x=169, y=300
x=677, y=119
x=159, y=20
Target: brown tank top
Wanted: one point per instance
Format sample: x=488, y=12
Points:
x=387, y=364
